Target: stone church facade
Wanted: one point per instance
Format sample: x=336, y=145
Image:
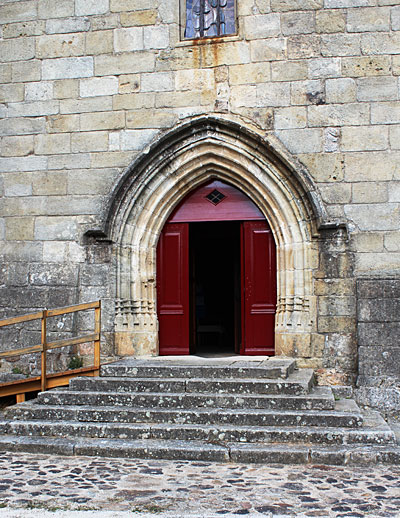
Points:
x=113, y=111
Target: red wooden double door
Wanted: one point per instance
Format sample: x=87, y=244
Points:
x=216, y=276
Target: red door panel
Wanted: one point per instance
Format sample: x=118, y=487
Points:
x=173, y=289
x=258, y=288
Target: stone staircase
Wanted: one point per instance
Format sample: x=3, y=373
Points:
x=220, y=409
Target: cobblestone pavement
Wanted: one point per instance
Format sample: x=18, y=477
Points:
x=183, y=488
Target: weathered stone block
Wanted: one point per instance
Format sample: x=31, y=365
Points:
x=60, y=45
x=90, y=7
x=138, y=18
x=21, y=252
x=128, y=5
x=128, y=40
x=155, y=37
x=178, y=99
x=51, y=9
x=262, y=26
x=157, y=82
x=39, y=91
x=129, y=83
x=243, y=95
x=338, y=115
x=366, y=66
x=67, y=68
x=341, y=90
x=52, y=144
x=89, y=104
x=364, y=138
x=99, y=42
x=394, y=137
x=94, y=274
x=87, y=181
x=340, y=45
x=18, y=30
x=337, y=193
x=385, y=113
x=49, y=183
x=187, y=79
x=18, y=11
x=287, y=5
x=124, y=63
x=329, y=21
x=32, y=109
x=19, y=229
x=5, y=73
x=270, y=49
x=29, y=163
x=392, y=241
x=296, y=23
x=307, y=92
x=339, y=287
x=291, y=117
x=369, y=242
x=365, y=192
x=288, y=71
x=321, y=68
x=377, y=89
x=136, y=139
x=17, y=146
x=89, y=141
x=55, y=229
x=276, y=94
x=22, y=126
x=302, y=140
x=26, y=71
x=102, y=120
x=372, y=167
x=62, y=123
x=11, y=93
x=68, y=25
x=368, y=19
x=150, y=119
x=17, y=49
x=332, y=4
x=380, y=43
x=337, y=305
x=98, y=86
x=53, y=275
x=377, y=216
x=336, y=324
x=77, y=161
x=304, y=46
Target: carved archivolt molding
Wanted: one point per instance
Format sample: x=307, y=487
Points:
x=154, y=186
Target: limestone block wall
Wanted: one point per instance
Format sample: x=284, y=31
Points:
x=88, y=85
x=379, y=347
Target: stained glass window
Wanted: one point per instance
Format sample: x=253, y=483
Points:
x=209, y=18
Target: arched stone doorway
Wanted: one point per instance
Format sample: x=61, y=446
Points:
x=216, y=276
x=195, y=153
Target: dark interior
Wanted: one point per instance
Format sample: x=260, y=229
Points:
x=215, y=287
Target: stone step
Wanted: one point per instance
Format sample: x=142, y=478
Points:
x=346, y=414
x=319, y=398
x=299, y=382
x=376, y=432
x=204, y=451
x=195, y=367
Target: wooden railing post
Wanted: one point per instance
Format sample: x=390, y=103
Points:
x=97, y=330
x=43, y=373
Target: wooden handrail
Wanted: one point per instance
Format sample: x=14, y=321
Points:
x=45, y=346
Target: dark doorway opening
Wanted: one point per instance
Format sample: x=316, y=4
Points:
x=214, y=250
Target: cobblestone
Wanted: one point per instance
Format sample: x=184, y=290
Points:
x=33, y=484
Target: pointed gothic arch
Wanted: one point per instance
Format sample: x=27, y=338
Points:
x=205, y=149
